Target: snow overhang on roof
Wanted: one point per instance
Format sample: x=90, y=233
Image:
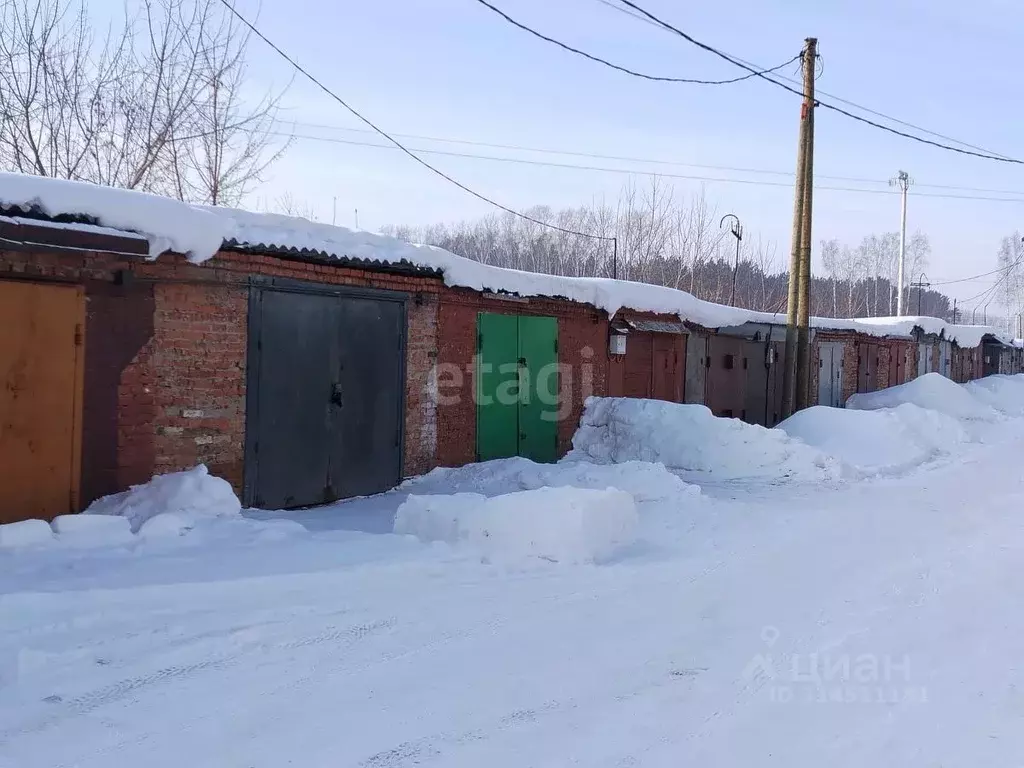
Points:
x=199, y=232
x=656, y=326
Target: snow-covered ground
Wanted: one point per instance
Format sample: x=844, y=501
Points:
x=862, y=619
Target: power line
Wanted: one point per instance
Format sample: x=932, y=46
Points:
x=397, y=143
x=634, y=15
x=631, y=171
x=1007, y=268
x=597, y=156
x=818, y=102
x=987, y=292
x=634, y=73
x=625, y=158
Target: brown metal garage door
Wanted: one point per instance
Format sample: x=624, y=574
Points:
x=653, y=366
x=41, y=357
x=727, y=377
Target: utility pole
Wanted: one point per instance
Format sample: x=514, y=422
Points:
x=737, y=231
x=954, y=311
x=920, y=285
x=793, y=373
x=903, y=181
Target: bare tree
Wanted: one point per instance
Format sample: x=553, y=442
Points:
x=1010, y=262
x=289, y=206
x=154, y=105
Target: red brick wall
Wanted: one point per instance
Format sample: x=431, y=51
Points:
x=911, y=372
x=178, y=396
x=582, y=351
x=420, y=390
x=184, y=393
x=884, y=358
x=850, y=369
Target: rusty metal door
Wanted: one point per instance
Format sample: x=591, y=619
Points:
x=639, y=362
x=726, y=378
x=667, y=375
x=897, y=365
x=867, y=367
x=41, y=364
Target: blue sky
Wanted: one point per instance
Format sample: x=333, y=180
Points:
x=451, y=68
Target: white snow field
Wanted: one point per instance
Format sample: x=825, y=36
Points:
x=859, y=621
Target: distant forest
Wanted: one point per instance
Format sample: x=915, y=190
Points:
x=666, y=240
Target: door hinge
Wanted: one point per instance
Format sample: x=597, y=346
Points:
x=556, y=347
x=479, y=342
x=78, y=334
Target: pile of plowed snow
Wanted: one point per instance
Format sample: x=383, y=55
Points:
x=168, y=506
x=690, y=437
x=881, y=441
x=932, y=391
x=177, y=498
x=567, y=525
x=644, y=481
x=1004, y=393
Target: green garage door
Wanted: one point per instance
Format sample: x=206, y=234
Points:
x=517, y=387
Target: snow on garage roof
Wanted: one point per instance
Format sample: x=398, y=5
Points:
x=199, y=232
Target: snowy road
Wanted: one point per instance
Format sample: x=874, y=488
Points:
x=695, y=647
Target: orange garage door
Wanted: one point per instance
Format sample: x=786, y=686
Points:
x=41, y=358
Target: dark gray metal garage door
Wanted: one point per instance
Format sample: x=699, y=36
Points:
x=325, y=394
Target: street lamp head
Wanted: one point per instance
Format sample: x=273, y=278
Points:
x=736, y=229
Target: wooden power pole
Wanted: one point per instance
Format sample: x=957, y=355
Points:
x=803, y=350
x=795, y=378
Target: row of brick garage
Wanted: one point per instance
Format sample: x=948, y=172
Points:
x=303, y=378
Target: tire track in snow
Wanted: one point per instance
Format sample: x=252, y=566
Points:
x=114, y=693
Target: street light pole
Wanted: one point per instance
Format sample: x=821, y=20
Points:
x=903, y=181
x=920, y=285
x=737, y=231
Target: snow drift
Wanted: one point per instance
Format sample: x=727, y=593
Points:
x=932, y=391
x=885, y=440
x=186, y=496
x=1002, y=392
x=644, y=481
x=568, y=525
x=690, y=437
